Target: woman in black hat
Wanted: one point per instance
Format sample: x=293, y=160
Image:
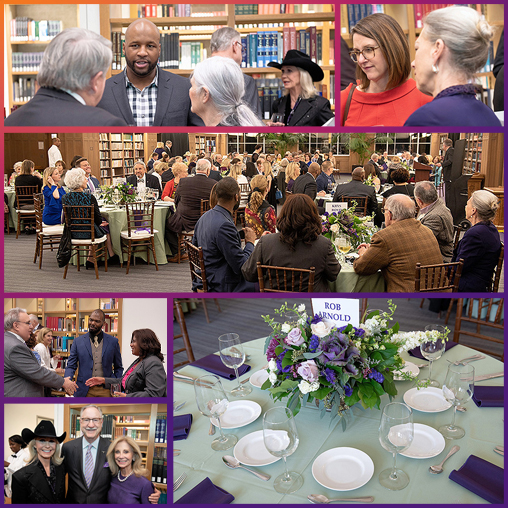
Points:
x=42, y=481
x=300, y=104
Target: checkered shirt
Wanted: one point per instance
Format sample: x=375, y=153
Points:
x=143, y=102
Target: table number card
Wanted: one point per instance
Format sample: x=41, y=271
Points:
x=339, y=312
x=335, y=207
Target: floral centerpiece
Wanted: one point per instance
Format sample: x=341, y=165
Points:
x=126, y=191
x=310, y=361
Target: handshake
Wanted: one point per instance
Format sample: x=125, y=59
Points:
x=69, y=386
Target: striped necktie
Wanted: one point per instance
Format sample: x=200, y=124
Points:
x=91, y=186
x=88, y=466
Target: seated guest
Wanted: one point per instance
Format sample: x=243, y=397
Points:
x=149, y=165
x=235, y=171
x=259, y=214
x=146, y=376
x=357, y=188
x=306, y=183
x=62, y=168
x=216, y=234
x=44, y=340
x=214, y=173
x=92, y=183
x=325, y=182
x=128, y=482
x=42, y=480
x=396, y=249
x=165, y=172
x=157, y=172
x=298, y=244
x=480, y=246
x=71, y=78
x=224, y=166
x=434, y=214
x=18, y=459
x=53, y=192
x=374, y=160
x=400, y=178
x=192, y=159
x=160, y=149
x=272, y=184
x=280, y=166
x=179, y=171
x=292, y=173
x=28, y=177
x=370, y=170
x=217, y=94
x=141, y=179
x=143, y=94
x=16, y=171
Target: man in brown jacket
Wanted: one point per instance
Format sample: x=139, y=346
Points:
x=396, y=249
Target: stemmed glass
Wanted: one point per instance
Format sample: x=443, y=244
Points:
x=396, y=433
x=344, y=245
x=213, y=402
x=233, y=356
x=433, y=350
x=458, y=388
x=281, y=439
x=116, y=197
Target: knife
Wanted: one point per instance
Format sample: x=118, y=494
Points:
x=488, y=376
x=181, y=376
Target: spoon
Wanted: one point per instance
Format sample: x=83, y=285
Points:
x=233, y=463
x=439, y=468
x=320, y=499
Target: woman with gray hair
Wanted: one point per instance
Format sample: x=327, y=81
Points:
x=216, y=94
x=480, y=246
x=452, y=47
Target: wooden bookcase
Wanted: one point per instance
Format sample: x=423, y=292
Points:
x=214, y=143
x=484, y=154
x=147, y=416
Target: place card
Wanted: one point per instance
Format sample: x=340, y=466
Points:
x=337, y=311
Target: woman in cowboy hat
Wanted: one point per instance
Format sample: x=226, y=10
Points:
x=42, y=481
x=300, y=104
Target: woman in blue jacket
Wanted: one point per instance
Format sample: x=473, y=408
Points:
x=53, y=192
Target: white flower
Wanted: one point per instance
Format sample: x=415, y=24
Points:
x=302, y=320
x=301, y=307
x=334, y=228
x=306, y=387
x=286, y=327
x=320, y=329
x=272, y=365
x=314, y=386
x=272, y=377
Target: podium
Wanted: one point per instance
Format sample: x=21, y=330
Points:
x=422, y=171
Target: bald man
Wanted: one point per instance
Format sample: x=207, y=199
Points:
x=143, y=94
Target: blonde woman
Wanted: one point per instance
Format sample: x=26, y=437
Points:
x=180, y=171
x=235, y=171
x=44, y=340
x=53, y=192
x=266, y=168
x=259, y=214
x=129, y=484
x=292, y=173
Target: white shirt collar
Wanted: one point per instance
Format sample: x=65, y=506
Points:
x=18, y=336
x=75, y=95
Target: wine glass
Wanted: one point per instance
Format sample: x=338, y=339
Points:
x=281, y=439
x=278, y=118
x=396, y=433
x=433, y=350
x=213, y=402
x=344, y=245
x=233, y=356
x=458, y=388
x=116, y=197
x=115, y=387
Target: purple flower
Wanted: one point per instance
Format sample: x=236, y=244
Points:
x=351, y=369
x=330, y=376
x=314, y=343
x=270, y=352
x=309, y=371
x=376, y=376
x=280, y=358
x=294, y=337
x=316, y=319
x=348, y=390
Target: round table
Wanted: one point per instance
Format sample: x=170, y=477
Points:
x=484, y=430
x=348, y=281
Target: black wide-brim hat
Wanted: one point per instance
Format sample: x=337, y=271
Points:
x=298, y=59
x=44, y=429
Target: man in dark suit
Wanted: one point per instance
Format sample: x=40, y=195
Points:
x=141, y=179
x=356, y=188
x=97, y=354
x=306, y=183
x=215, y=171
x=153, y=158
x=69, y=97
x=447, y=167
x=189, y=193
x=92, y=182
x=143, y=94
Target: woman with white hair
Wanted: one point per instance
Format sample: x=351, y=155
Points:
x=16, y=172
x=452, y=47
x=217, y=91
x=480, y=246
x=301, y=104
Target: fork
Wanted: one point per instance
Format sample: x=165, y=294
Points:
x=178, y=482
x=499, y=449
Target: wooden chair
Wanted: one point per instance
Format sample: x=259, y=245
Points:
x=6, y=220
x=140, y=232
x=197, y=267
x=180, y=319
x=244, y=188
x=47, y=237
x=205, y=206
x=278, y=279
x=486, y=305
x=497, y=271
x=442, y=277
x=80, y=222
x=457, y=230
x=25, y=204
x=182, y=238
x=361, y=204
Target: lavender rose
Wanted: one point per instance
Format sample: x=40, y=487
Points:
x=309, y=371
x=294, y=337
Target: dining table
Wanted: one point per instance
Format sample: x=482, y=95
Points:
x=348, y=281
x=484, y=429
x=11, y=203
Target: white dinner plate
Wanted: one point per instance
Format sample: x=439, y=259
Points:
x=427, y=443
x=343, y=469
x=410, y=368
x=427, y=400
x=251, y=450
x=238, y=414
x=258, y=378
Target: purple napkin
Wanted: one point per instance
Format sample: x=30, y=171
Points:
x=489, y=396
x=417, y=354
x=212, y=363
x=181, y=426
x=482, y=478
x=206, y=493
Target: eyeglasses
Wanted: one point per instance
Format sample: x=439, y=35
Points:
x=383, y=210
x=367, y=53
x=88, y=420
x=25, y=322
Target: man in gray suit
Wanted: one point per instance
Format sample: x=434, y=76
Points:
x=23, y=376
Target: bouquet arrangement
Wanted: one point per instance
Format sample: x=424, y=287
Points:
x=125, y=190
x=370, y=181
x=359, y=229
x=310, y=361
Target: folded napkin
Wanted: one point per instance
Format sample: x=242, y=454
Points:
x=481, y=477
x=181, y=426
x=417, y=353
x=489, y=396
x=206, y=493
x=212, y=363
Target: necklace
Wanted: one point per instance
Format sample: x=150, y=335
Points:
x=120, y=480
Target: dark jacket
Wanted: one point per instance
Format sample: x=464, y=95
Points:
x=151, y=181
x=446, y=165
x=322, y=181
x=313, y=112
x=251, y=96
x=215, y=175
x=355, y=188
x=305, y=184
x=29, y=486
x=85, y=199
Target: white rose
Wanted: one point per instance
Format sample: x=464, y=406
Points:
x=272, y=365
x=314, y=386
x=286, y=328
x=301, y=307
x=304, y=386
x=272, y=377
x=320, y=329
x=334, y=228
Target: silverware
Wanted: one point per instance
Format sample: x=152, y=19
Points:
x=179, y=406
x=500, y=450
x=244, y=381
x=211, y=430
x=233, y=463
x=320, y=499
x=488, y=376
x=462, y=409
x=422, y=365
x=188, y=378
x=467, y=360
x=439, y=468
x=178, y=482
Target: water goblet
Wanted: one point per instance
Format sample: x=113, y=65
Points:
x=233, y=356
x=277, y=118
x=212, y=401
x=115, y=387
x=281, y=440
x=396, y=432
x=458, y=388
x=433, y=350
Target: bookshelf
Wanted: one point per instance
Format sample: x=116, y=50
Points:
x=143, y=422
x=214, y=143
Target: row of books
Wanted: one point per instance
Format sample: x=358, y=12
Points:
x=135, y=434
x=161, y=428
x=421, y=10
x=356, y=12
x=62, y=343
x=23, y=89
x=24, y=28
x=107, y=426
x=160, y=465
x=131, y=419
x=61, y=324
x=254, y=9
x=26, y=62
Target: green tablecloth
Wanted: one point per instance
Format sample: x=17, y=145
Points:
x=13, y=216
x=483, y=426
x=350, y=282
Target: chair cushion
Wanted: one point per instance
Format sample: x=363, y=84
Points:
x=102, y=239
x=136, y=235
x=52, y=230
x=26, y=211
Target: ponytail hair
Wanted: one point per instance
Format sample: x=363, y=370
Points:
x=258, y=185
